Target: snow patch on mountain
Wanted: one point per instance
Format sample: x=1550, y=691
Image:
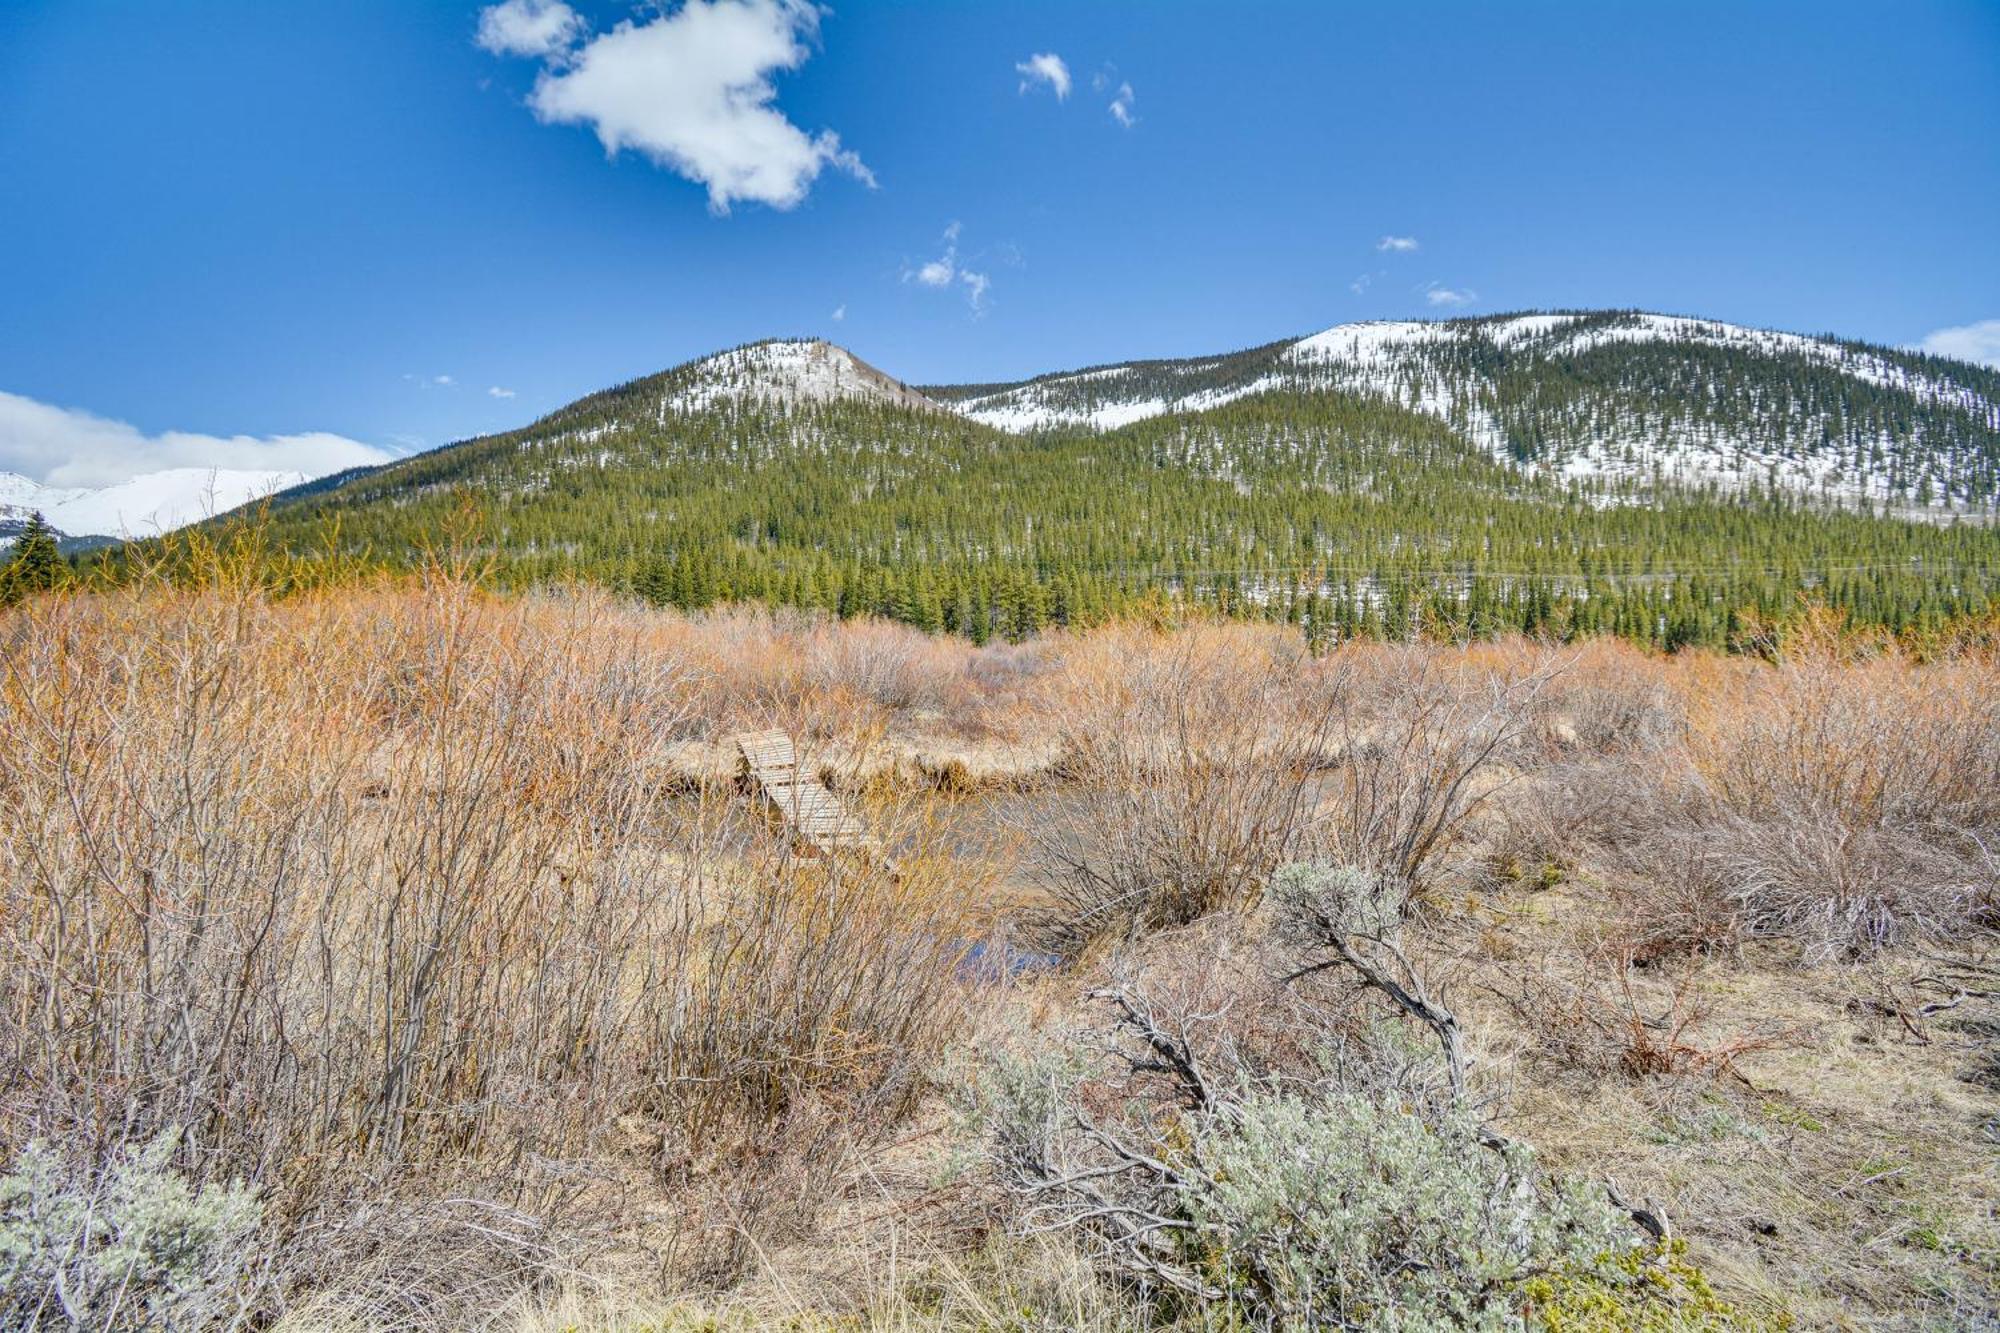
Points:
x=783, y=373
x=1855, y=362
x=1505, y=332
x=145, y=506
x=1373, y=342
x=1083, y=400
x=1439, y=368
x=1028, y=410
x=20, y=496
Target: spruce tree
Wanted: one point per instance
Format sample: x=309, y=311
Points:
x=36, y=564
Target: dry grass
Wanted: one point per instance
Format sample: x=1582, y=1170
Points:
x=1189, y=761
x=1854, y=796
x=439, y=917
x=378, y=899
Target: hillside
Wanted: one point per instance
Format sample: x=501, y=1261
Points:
x=1593, y=395
x=1570, y=474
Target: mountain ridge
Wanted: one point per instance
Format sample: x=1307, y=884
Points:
x=1409, y=362
x=1466, y=372
x=1390, y=478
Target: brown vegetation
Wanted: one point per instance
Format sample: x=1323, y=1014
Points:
x=436, y=917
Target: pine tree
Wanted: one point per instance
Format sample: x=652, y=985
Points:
x=37, y=563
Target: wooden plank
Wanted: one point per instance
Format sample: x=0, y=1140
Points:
x=814, y=815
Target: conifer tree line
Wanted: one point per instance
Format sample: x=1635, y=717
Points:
x=1346, y=514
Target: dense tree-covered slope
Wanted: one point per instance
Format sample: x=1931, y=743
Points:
x=1604, y=395
x=792, y=473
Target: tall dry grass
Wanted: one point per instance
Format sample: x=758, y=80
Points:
x=382, y=901
x=398, y=901
x=1200, y=761
x=1189, y=763
x=1847, y=797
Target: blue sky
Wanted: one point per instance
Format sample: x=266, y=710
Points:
x=237, y=218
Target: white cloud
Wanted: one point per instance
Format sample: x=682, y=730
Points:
x=839, y=313
x=938, y=272
x=1447, y=296
x=975, y=287
x=946, y=270
x=1121, y=107
x=529, y=28
x=1978, y=342
x=62, y=446
x=1400, y=245
x=1045, y=67
x=497, y=392
x=1361, y=284
x=444, y=381
x=691, y=90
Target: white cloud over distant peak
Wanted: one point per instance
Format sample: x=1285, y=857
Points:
x=497, y=392
x=1978, y=342
x=1045, y=69
x=1399, y=245
x=946, y=270
x=61, y=446
x=839, y=313
x=689, y=88
x=529, y=28
x=1121, y=107
x=1449, y=296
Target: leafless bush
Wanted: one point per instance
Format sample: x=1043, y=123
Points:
x=1619, y=707
x=1199, y=764
x=1418, y=754
x=1880, y=741
x=808, y=976
x=1844, y=889
x=1679, y=887
x=1849, y=804
x=1605, y=1018
x=1191, y=770
x=428, y=1261
x=1010, y=666
x=379, y=889
x=326, y=952
x=885, y=663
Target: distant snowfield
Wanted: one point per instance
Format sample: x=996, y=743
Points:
x=1406, y=362
x=145, y=506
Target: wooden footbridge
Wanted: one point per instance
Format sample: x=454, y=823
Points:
x=819, y=824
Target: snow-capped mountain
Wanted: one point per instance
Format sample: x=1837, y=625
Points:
x=1606, y=408
x=147, y=505
x=782, y=372
x=1572, y=473
x=1617, y=394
